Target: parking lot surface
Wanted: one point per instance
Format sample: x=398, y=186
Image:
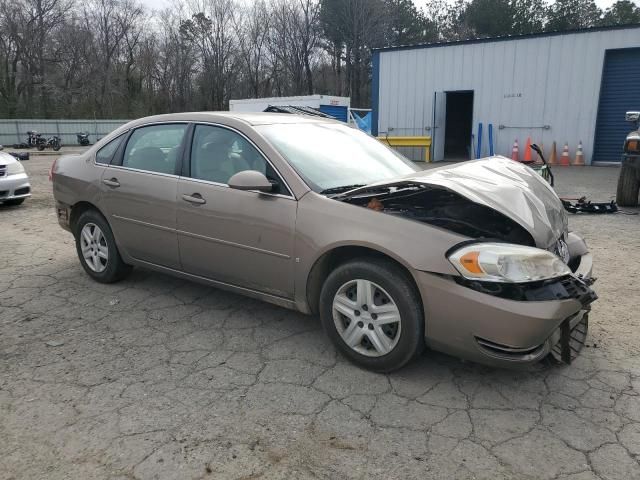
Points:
x=155, y=377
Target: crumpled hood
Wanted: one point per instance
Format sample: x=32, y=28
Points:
x=508, y=187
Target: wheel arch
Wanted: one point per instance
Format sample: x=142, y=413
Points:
x=78, y=209
x=339, y=254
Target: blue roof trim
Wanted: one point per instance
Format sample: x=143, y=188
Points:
x=505, y=38
x=375, y=91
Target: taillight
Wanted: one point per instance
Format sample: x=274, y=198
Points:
x=53, y=166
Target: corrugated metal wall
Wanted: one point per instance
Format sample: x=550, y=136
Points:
x=522, y=84
x=15, y=131
x=620, y=93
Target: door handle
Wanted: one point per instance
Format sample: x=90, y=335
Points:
x=195, y=198
x=111, y=182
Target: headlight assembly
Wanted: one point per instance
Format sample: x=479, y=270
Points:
x=507, y=263
x=15, y=168
x=632, y=145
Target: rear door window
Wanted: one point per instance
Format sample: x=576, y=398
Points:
x=155, y=148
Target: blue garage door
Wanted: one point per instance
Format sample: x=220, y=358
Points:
x=339, y=113
x=620, y=92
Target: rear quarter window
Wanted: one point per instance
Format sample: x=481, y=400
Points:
x=105, y=154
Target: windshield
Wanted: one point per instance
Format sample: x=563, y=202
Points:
x=331, y=157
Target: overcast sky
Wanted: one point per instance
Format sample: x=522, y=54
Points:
x=157, y=4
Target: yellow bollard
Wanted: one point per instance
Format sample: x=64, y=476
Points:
x=424, y=142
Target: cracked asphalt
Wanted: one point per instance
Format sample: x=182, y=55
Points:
x=161, y=378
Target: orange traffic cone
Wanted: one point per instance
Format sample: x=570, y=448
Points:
x=565, y=161
x=579, y=160
x=527, y=151
x=515, y=155
x=553, y=156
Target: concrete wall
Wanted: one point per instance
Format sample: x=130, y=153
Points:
x=520, y=83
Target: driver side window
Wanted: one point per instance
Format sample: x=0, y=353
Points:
x=154, y=148
x=218, y=153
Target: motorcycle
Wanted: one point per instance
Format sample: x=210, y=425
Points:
x=33, y=139
x=83, y=138
x=52, y=142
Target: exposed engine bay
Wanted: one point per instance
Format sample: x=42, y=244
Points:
x=443, y=208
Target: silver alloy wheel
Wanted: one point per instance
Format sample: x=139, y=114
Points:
x=366, y=318
x=93, y=245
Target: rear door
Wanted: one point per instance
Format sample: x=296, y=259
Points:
x=139, y=193
x=244, y=238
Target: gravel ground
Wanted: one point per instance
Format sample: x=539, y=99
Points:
x=161, y=378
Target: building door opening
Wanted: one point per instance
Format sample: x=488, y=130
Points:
x=458, y=126
x=619, y=93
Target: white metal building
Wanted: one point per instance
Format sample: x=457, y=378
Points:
x=337, y=107
x=563, y=87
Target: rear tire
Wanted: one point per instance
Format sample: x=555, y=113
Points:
x=390, y=287
x=94, y=241
x=628, y=186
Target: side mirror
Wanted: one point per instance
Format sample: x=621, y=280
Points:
x=250, y=180
x=632, y=116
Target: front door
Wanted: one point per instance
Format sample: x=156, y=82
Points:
x=438, y=122
x=243, y=238
x=139, y=194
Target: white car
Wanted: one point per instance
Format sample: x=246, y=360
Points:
x=14, y=181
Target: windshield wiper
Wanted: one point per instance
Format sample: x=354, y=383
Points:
x=343, y=188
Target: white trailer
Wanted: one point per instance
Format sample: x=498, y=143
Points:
x=337, y=107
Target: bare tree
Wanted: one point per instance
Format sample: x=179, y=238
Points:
x=294, y=40
x=210, y=28
x=73, y=62
x=112, y=23
x=29, y=25
x=252, y=27
x=173, y=63
x=11, y=83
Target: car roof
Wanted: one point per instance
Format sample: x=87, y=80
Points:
x=250, y=118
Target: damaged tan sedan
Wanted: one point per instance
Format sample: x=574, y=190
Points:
x=473, y=259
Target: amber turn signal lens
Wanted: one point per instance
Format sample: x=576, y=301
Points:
x=632, y=146
x=470, y=262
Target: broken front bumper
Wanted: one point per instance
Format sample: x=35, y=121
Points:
x=510, y=326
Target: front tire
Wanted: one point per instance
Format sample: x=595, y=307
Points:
x=97, y=250
x=628, y=186
x=373, y=314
